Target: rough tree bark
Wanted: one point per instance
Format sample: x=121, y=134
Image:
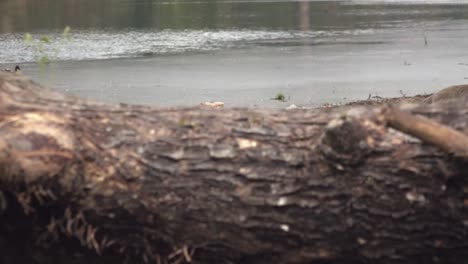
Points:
x=93, y=183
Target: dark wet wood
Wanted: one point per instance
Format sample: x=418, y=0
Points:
x=94, y=183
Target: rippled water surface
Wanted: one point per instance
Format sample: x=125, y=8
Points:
x=89, y=45
x=239, y=52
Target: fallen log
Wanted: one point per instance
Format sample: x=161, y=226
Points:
x=459, y=92
x=94, y=183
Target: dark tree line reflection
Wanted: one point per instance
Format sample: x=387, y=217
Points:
x=33, y=15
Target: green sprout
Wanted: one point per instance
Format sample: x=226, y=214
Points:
x=45, y=39
x=279, y=97
x=66, y=33
x=28, y=38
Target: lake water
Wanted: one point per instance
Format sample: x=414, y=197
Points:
x=240, y=52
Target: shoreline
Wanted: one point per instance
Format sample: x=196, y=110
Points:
x=391, y=100
x=368, y=102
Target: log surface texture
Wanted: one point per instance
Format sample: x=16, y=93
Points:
x=91, y=183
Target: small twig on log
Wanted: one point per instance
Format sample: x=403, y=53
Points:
x=187, y=255
x=429, y=131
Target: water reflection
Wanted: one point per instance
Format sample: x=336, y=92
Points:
x=91, y=45
x=107, y=29
x=32, y=15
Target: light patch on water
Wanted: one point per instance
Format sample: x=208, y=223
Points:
x=92, y=45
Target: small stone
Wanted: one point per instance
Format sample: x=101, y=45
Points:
x=213, y=104
x=291, y=107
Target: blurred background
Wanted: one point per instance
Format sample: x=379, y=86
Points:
x=184, y=52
